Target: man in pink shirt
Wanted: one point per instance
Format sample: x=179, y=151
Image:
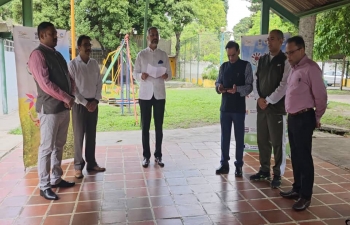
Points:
x=55, y=98
x=306, y=102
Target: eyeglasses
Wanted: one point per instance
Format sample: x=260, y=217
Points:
x=291, y=52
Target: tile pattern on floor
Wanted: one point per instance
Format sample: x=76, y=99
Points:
x=185, y=191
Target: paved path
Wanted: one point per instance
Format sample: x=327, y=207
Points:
x=8, y=141
x=339, y=98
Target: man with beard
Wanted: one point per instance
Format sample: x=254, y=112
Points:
x=86, y=74
x=270, y=89
x=55, y=98
x=152, y=94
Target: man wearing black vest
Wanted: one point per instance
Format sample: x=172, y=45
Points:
x=55, y=88
x=235, y=82
x=270, y=88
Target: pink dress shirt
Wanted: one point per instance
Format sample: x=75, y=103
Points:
x=38, y=68
x=306, y=89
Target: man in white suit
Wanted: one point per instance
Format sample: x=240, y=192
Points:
x=152, y=94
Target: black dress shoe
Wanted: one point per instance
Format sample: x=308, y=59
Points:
x=158, y=160
x=290, y=194
x=301, y=204
x=48, y=194
x=238, y=172
x=223, y=170
x=145, y=162
x=63, y=184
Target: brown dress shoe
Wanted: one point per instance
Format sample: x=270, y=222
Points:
x=78, y=174
x=301, y=204
x=96, y=169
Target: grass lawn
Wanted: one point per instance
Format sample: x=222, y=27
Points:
x=337, y=114
x=338, y=92
x=185, y=108
x=194, y=107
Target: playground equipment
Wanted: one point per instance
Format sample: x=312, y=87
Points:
x=117, y=86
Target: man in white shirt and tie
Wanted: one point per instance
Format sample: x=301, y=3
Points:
x=152, y=94
x=86, y=74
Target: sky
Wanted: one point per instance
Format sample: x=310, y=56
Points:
x=237, y=11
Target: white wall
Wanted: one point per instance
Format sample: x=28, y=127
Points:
x=11, y=82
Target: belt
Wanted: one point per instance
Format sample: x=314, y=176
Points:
x=300, y=112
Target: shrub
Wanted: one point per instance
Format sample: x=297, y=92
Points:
x=211, y=72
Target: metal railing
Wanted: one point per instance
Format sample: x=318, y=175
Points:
x=199, y=53
x=9, y=46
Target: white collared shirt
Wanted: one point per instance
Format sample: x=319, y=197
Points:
x=87, y=78
x=151, y=86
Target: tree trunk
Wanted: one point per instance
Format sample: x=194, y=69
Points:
x=323, y=64
x=177, y=46
x=307, y=31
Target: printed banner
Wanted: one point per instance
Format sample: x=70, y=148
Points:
x=252, y=48
x=25, y=41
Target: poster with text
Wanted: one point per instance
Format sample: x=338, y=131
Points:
x=252, y=48
x=25, y=41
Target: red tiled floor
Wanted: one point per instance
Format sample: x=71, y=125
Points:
x=191, y=210
x=262, y=204
x=64, y=208
x=86, y=218
x=324, y=212
x=276, y=216
x=328, y=199
x=32, y=211
x=251, y=218
x=28, y=221
x=57, y=220
x=165, y=212
x=312, y=223
x=185, y=191
x=139, y=214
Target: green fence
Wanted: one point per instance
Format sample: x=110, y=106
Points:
x=200, y=54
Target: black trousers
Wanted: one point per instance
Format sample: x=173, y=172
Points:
x=300, y=130
x=158, y=116
x=84, y=124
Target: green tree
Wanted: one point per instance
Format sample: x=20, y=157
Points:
x=57, y=12
x=226, y=5
x=242, y=28
x=6, y=12
x=105, y=20
x=255, y=5
x=332, y=35
x=184, y=12
x=180, y=13
x=275, y=23
x=156, y=16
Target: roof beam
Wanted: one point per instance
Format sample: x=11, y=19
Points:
x=331, y=6
x=3, y=2
x=280, y=10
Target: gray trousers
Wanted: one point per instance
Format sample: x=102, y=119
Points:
x=271, y=134
x=53, y=137
x=84, y=124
